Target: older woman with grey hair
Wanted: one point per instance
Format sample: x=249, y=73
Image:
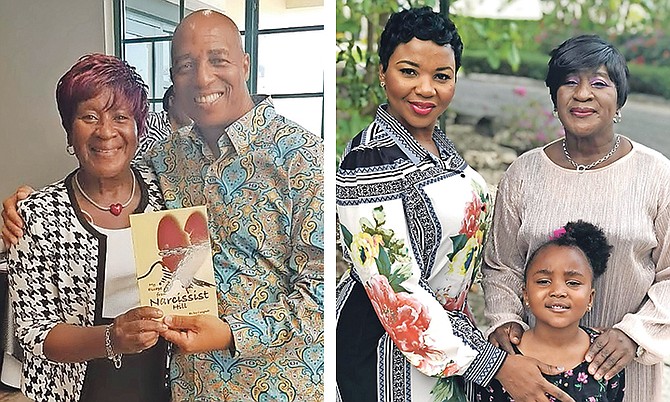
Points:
x=599, y=175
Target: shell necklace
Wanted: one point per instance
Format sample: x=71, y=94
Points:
x=116, y=208
x=581, y=168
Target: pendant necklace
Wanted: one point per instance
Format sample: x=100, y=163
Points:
x=116, y=208
x=581, y=168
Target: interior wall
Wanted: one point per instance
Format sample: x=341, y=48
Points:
x=39, y=41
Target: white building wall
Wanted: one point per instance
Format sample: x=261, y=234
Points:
x=39, y=41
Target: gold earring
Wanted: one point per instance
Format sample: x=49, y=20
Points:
x=382, y=84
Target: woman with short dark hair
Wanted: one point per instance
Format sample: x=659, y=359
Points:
x=413, y=218
x=598, y=175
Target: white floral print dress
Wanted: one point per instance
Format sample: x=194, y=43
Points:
x=413, y=225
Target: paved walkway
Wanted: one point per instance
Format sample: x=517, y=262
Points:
x=646, y=119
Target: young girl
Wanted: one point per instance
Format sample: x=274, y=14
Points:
x=559, y=291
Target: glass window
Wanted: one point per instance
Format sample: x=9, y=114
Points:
x=138, y=55
x=150, y=18
x=290, y=13
x=308, y=112
x=290, y=63
x=290, y=40
x=234, y=9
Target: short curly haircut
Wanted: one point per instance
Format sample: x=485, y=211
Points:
x=586, y=53
x=588, y=238
x=94, y=73
x=421, y=23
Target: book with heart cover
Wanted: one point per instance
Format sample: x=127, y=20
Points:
x=173, y=257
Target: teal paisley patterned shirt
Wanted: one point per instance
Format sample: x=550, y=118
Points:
x=264, y=196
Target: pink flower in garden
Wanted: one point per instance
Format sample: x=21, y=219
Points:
x=582, y=377
x=521, y=91
x=402, y=315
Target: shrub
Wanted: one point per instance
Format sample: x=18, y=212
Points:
x=652, y=80
x=528, y=124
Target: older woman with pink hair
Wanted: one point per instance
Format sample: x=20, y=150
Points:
x=72, y=274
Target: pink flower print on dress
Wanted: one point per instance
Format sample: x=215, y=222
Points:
x=406, y=321
x=582, y=377
x=456, y=303
x=470, y=223
x=450, y=370
x=402, y=315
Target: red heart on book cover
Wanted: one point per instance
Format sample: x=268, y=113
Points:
x=196, y=227
x=171, y=237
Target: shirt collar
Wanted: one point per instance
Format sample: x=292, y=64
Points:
x=410, y=146
x=242, y=133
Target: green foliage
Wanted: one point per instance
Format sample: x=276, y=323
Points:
x=359, y=24
x=446, y=389
x=652, y=80
x=532, y=65
x=501, y=39
x=652, y=49
x=598, y=16
x=636, y=27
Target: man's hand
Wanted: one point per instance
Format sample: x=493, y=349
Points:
x=506, y=335
x=522, y=378
x=610, y=353
x=198, y=333
x=137, y=330
x=12, y=229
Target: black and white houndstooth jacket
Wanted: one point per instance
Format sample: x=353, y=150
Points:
x=55, y=273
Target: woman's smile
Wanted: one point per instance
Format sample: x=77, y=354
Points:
x=422, y=108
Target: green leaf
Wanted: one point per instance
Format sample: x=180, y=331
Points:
x=383, y=262
x=398, y=288
x=494, y=59
x=459, y=242
x=447, y=390
x=513, y=57
x=400, y=275
x=346, y=234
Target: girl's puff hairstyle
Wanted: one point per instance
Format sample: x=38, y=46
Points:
x=587, y=237
x=421, y=23
x=587, y=53
x=94, y=73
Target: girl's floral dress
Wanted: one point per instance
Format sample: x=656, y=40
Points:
x=412, y=224
x=578, y=383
